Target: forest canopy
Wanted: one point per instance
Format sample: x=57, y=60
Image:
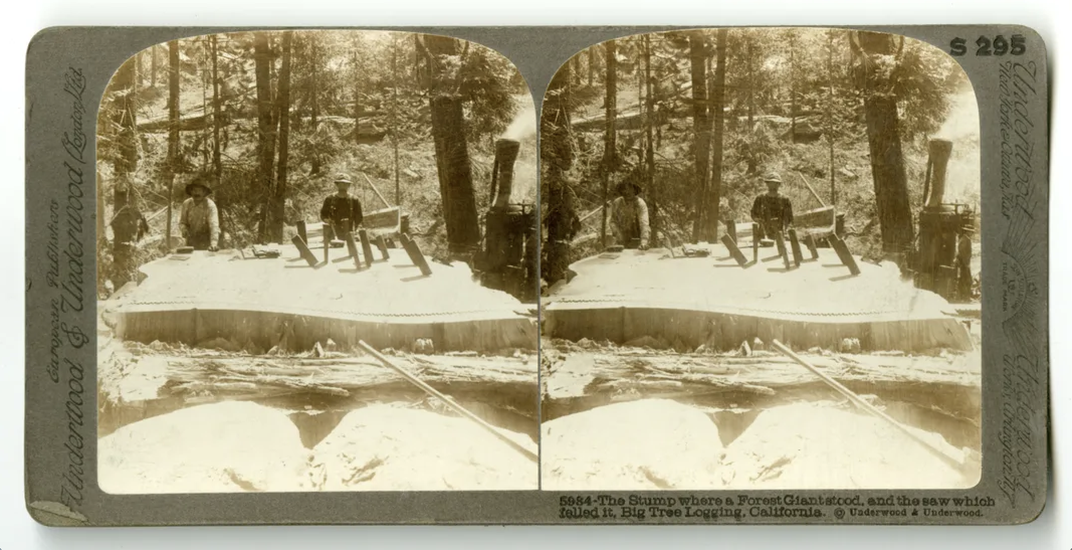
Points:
x=269, y=118
x=698, y=116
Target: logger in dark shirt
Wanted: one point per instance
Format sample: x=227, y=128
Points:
x=773, y=212
x=341, y=212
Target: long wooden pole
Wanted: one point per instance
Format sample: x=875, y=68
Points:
x=856, y=400
x=377, y=191
x=812, y=189
x=449, y=402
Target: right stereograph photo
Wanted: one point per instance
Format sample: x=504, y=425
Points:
x=761, y=264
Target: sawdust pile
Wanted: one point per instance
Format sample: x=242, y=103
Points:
x=387, y=448
x=660, y=444
x=223, y=447
x=639, y=445
x=240, y=446
x=820, y=445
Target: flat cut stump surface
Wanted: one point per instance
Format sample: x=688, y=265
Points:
x=712, y=301
x=205, y=295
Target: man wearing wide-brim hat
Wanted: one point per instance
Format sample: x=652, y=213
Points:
x=629, y=216
x=341, y=212
x=772, y=211
x=199, y=220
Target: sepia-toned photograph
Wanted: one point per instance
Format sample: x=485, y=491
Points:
x=760, y=264
x=317, y=266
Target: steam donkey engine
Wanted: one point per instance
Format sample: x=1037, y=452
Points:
x=943, y=228
x=508, y=260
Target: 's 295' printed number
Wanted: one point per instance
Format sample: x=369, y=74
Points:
x=999, y=45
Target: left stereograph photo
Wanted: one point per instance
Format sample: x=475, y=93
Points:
x=316, y=266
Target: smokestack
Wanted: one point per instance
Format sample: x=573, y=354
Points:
x=940, y=151
x=503, y=178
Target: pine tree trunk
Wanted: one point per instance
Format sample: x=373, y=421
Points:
x=714, y=196
x=452, y=154
x=205, y=158
x=314, y=90
x=649, y=152
x=126, y=213
x=702, y=130
x=262, y=58
x=279, y=197
x=357, y=100
x=217, y=162
x=887, y=160
x=152, y=65
x=394, y=122
x=751, y=86
x=829, y=111
x=172, y=160
x=557, y=156
x=591, y=65
x=792, y=87
x=610, y=135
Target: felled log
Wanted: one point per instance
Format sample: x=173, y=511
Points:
x=184, y=377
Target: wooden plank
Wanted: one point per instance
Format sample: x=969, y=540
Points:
x=303, y=249
x=382, y=245
x=351, y=247
x=819, y=222
x=731, y=230
x=780, y=241
x=755, y=242
x=300, y=225
x=809, y=241
x=795, y=246
x=415, y=255
x=734, y=251
x=843, y=253
x=366, y=248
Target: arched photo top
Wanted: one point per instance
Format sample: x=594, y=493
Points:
x=407, y=162
x=740, y=194
x=386, y=108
